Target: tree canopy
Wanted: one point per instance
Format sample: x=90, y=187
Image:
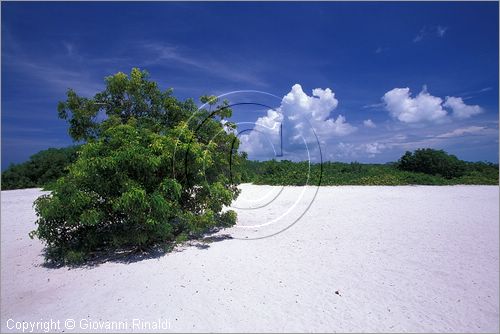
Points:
x=151, y=169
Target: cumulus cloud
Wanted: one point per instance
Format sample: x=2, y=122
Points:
x=425, y=107
x=369, y=123
x=460, y=109
x=407, y=109
x=302, y=118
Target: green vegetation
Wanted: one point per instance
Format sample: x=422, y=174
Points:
x=336, y=173
x=41, y=170
x=433, y=162
x=154, y=171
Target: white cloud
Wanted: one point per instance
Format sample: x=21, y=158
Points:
x=369, y=123
x=339, y=127
x=425, y=107
x=460, y=109
x=374, y=148
x=358, y=150
x=422, y=108
x=303, y=117
x=344, y=150
x=462, y=132
x=297, y=103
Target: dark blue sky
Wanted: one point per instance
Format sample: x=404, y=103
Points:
x=361, y=51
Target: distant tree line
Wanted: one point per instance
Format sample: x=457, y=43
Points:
x=41, y=169
x=423, y=166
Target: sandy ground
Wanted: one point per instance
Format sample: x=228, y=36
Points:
x=392, y=259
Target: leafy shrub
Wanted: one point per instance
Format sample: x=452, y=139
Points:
x=434, y=162
x=148, y=174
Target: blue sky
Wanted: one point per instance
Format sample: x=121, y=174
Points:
x=392, y=76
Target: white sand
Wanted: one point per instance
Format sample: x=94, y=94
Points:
x=402, y=259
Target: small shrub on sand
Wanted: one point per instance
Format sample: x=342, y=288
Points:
x=155, y=169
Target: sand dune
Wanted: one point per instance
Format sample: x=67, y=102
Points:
x=386, y=259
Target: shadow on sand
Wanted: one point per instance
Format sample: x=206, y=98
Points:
x=132, y=255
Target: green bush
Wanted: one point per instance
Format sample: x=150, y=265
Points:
x=433, y=162
x=147, y=175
